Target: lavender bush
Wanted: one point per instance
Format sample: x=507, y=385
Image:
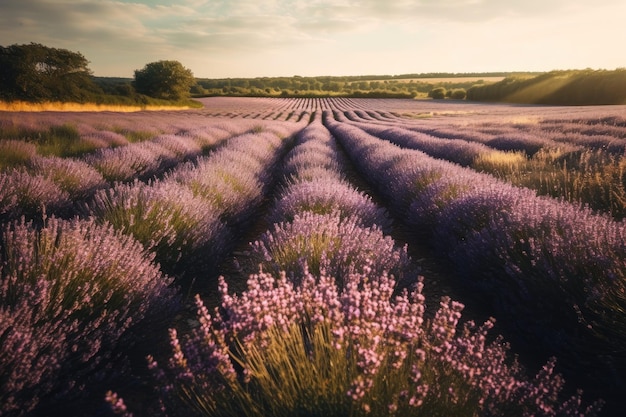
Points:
x=140, y=160
x=327, y=242
x=23, y=194
x=73, y=176
x=184, y=231
x=14, y=153
x=327, y=195
x=74, y=298
x=360, y=349
x=519, y=248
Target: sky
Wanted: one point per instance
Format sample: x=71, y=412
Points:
x=272, y=38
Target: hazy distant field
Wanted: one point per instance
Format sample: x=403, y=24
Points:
x=516, y=211
x=450, y=80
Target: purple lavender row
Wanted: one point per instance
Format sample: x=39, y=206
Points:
x=321, y=219
x=595, y=130
x=67, y=283
x=146, y=159
x=54, y=184
x=189, y=217
x=466, y=143
x=76, y=298
x=351, y=346
x=459, y=151
x=553, y=270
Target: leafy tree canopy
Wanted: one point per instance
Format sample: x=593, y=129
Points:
x=168, y=80
x=35, y=72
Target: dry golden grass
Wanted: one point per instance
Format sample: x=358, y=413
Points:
x=458, y=79
x=23, y=106
x=499, y=161
x=446, y=80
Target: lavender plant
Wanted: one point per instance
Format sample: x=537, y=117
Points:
x=73, y=176
x=23, y=194
x=184, y=231
x=325, y=196
x=360, y=349
x=74, y=298
x=520, y=249
x=14, y=153
x=332, y=242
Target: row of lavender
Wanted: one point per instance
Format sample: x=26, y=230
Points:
x=582, y=161
x=190, y=217
x=554, y=271
x=77, y=295
x=54, y=185
x=332, y=334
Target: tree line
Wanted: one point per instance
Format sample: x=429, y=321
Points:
x=401, y=86
x=34, y=72
x=570, y=87
x=37, y=73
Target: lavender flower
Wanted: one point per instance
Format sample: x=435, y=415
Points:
x=23, y=194
x=71, y=295
x=328, y=242
x=349, y=350
x=323, y=196
x=180, y=228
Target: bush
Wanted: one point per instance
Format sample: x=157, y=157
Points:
x=458, y=94
x=318, y=349
x=328, y=242
x=73, y=298
x=437, y=93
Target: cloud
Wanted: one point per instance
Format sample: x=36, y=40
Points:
x=116, y=34
x=229, y=22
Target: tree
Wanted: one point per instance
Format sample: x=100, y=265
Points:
x=167, y=80
x=35, y=72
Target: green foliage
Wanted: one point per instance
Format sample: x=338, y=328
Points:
x=366, y=86
x=437, y=93
x=35, y=72
x=167, y=80
x=576, y=87
x=56, y=140
x=14, y=153
x=458, y=94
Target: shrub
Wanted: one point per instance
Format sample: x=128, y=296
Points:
x=325, y=196
x=75, y=297
x=23, y=194
x=458, y=94
x=318, y=349
x=181, y=229
x=327, y=242
x=14, y=153
x=76, y=177
x=437, y=93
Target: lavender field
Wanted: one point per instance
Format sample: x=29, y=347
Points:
x=309, y=257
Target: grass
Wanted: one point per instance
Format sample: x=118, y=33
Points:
x=591, y=177
x=15, y=153
x=23, y=106
x=57, y=140
x=134, y=136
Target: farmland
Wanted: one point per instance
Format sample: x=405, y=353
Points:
x=314, y=256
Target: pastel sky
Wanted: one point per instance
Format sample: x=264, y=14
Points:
x=256, y=38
